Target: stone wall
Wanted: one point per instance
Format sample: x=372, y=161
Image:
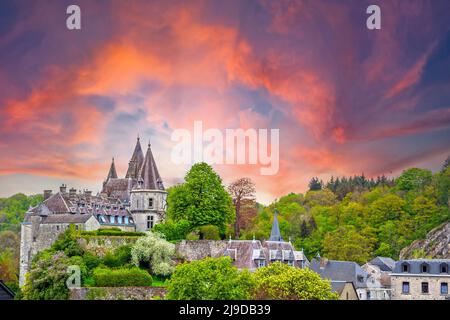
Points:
x=191, y=250
x=100, y=245
x=118, y=293
x=415, y=287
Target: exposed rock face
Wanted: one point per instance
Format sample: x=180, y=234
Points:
x=436, y=245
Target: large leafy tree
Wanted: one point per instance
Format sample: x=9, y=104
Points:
x=413, y=179
x=241, y=190
x=283, y=282
x=209, y=279
x=202, y=199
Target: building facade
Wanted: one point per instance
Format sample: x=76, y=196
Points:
x=421, y=279
x=134, y=203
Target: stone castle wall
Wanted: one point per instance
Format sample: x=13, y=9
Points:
x=100, y=245
x=118, y=293
x=190, y=250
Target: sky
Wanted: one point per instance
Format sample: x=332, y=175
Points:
x=346, y=100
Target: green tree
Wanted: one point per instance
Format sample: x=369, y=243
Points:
x=282, y=282
x=347, y=244
x=154, y=253
x=413, y=179
x=202, y=199
x=209, y=279
x=47, y=277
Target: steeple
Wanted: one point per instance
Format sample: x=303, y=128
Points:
x=136, y=161
x=275, y=234
x=112, y=174
x=149, y=173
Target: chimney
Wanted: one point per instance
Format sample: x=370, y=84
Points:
x=63, y=188
x=47, y=194
x=88, y=194
x=72, y=193
x=323, y=263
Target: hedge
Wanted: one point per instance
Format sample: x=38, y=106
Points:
x=112, y=232
x=132, y=277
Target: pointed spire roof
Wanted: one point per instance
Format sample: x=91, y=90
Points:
x=136, y=161
x=149, y=173
x=275, y=234
x=112, y=174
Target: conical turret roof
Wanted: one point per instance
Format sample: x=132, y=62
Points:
x=112, y=174
x=148, y=175
x=136, y=161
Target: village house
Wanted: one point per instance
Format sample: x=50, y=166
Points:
x=367, y=288
x=421, y=279
x=134, y=203
x=380, y=269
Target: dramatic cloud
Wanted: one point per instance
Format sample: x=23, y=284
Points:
x=346, y=100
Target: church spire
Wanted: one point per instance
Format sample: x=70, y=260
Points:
x=136, y=161
x=112, y=174
x=275, y=234
x=149, y=174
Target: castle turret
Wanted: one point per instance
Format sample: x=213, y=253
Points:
x=148, y=199
x=112, y=174
x=136, y=161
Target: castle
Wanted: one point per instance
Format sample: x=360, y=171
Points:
x=134, y=203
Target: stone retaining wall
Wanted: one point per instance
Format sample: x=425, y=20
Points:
x=118, y=293
x=191, y=250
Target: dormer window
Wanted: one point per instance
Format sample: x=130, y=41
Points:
x=424, y=268
x=405, y=267
x=443, y=268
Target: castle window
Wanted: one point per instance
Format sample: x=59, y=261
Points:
x=150, y=222
x=126, y=220
x=290, y=263
x=444, y=288
x=424, y=287
x=261, y=263
x=57, y=228
x=111, y=219
x=444, y=268
x=150, y=203
x=405, y=267
x=405, y=287
x=76, y=227
x=102, y=219
x=119, y=220
x=424, y=268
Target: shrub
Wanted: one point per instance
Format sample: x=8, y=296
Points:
x=209, y=279
x=120, y=257
x=91, y=260
x=174, y=231
x=123, y=277
x=283, y=282
x=209, y=232
x=154, y=252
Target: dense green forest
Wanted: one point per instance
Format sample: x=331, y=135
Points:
x=357, y=219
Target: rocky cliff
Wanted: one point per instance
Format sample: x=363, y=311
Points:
x=436, y=245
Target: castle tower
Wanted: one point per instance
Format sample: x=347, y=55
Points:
x=148, y=199
x=112, y=174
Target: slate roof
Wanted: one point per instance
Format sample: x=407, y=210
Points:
x=78, y=208
x=340, y=271
x=66, y=218
x=136, y=161
x=112, y=174
x=384, y=263
x=415, y=266
x=275, y=234
x=119, y=188
x=5, y=292
x=148, y=174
